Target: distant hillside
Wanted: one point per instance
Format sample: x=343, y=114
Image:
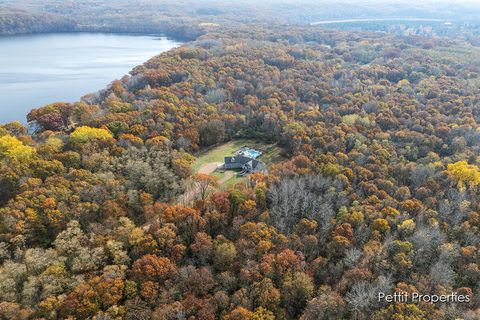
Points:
x=181, y=19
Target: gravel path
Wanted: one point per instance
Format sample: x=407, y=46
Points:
x=208, y=168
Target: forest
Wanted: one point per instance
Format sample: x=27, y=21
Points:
x=377, y=189
x=187, y=19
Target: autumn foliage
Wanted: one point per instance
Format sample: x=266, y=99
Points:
x=376, y=189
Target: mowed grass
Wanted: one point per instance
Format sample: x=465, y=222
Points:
x=232, y=182
x=228, y=182
x=271, y=154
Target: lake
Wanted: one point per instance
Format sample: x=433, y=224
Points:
x=44, y=68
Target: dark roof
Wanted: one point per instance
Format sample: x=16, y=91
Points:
x=252, y=163
x=237, y=159
x=257, y=163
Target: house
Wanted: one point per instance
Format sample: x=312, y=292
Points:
x=245, y=164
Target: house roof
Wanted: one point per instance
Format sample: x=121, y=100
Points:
x=237, y=159
x=256, y=163
x=243, y=161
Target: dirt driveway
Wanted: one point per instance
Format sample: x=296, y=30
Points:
x=208, y=168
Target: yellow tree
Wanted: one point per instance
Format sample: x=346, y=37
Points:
x=85, y=134
x=465, y=174
x=14, y=149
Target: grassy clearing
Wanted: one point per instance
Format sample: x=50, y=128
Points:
x=233, y=181
x=271, y=154
x=226, y=182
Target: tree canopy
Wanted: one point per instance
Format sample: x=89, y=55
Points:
x=377, y=190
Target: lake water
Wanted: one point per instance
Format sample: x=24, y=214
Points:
x=44, y=68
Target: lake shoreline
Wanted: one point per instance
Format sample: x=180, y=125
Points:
x=42, y=68
x=120, y=33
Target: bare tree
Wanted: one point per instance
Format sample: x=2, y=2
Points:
x=364, y=295
x=312, y=197
x=425, y=242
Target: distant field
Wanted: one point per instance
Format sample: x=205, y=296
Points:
x=207, y=160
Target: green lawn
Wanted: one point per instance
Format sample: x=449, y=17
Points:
x=230, y=182
x=271, y=154
x=233, y=181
